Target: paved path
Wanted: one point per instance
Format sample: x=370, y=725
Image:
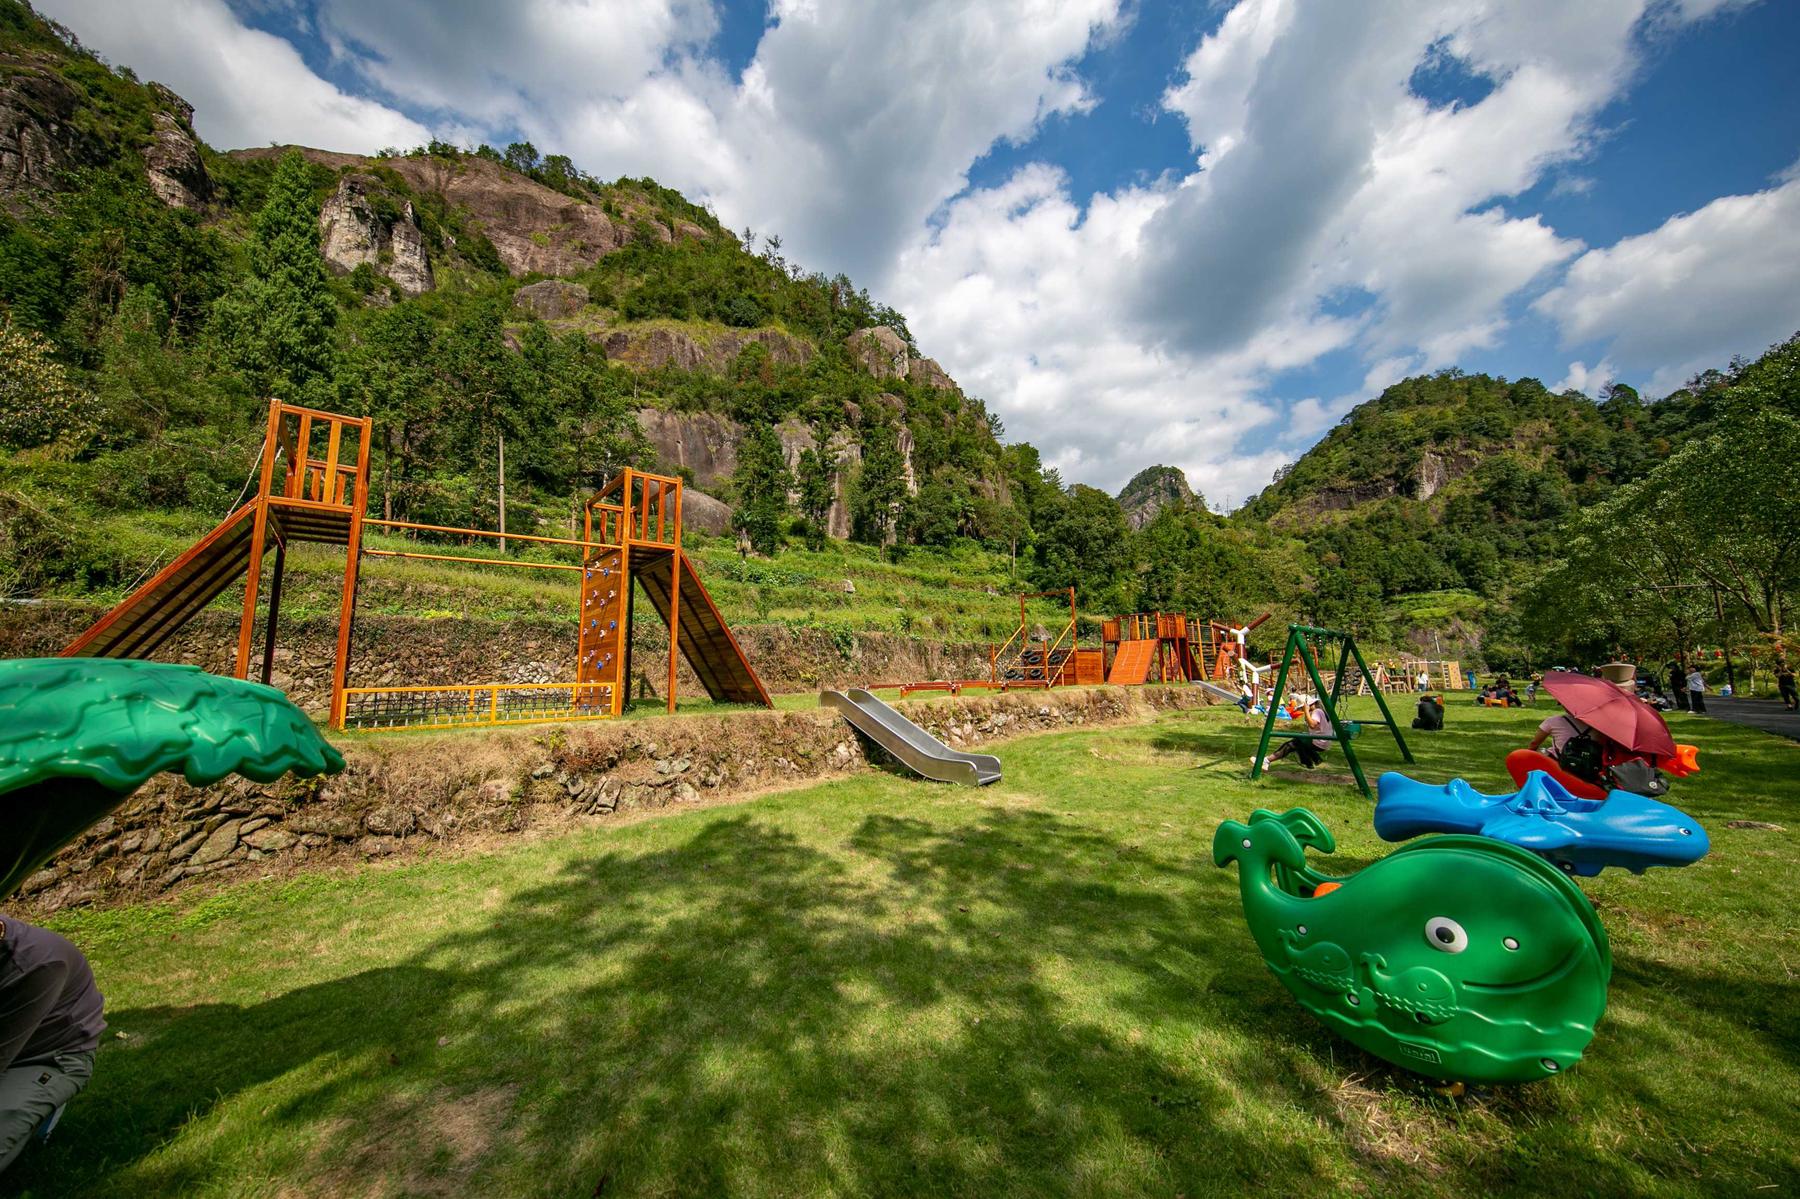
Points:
x=1764, y=714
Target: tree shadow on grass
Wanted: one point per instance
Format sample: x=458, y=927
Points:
x=1008, y=1004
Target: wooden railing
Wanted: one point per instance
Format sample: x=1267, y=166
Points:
x=327, y=476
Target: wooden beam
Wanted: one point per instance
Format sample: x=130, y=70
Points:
x=268, y=662
x=259, y=531
x=674, y=592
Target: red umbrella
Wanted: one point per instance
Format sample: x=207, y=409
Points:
x=1611, y=712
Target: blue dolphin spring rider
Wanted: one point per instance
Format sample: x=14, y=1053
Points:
x=1579, y=836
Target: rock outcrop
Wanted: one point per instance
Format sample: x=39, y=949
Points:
x=928, y=372
x=712, y=351
x=172, y=160
x=701, y=513
x=352, y=232
x=533, y=227
x=551, y=299
x=1153, y=489
x=655, y=348
x=702, y=443
x=38, y=138
x=880, y=351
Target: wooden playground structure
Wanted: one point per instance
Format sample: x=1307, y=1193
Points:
x=313, y=487
x=1134, y=649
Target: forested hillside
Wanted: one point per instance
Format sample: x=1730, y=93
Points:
x=154, y=292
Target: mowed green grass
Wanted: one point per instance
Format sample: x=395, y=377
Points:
x=881, y=986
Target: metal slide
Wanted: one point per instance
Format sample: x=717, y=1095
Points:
x=916, y=749
x=1216, y=691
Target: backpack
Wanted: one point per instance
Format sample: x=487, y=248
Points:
x=1582, y=757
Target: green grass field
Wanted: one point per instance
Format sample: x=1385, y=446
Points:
x=881, y=986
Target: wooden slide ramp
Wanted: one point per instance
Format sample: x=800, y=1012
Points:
x=706, y=639
x=154, y=612
x=1131, y=665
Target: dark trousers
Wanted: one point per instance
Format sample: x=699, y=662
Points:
x=1790, y=698
x=1681, y=696
x=1696, y=701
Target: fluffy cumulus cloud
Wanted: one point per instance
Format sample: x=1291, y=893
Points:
x=852, y=123
x=1688, y=294
x=248, y=88
x=1321, y=177
x=1335, y=210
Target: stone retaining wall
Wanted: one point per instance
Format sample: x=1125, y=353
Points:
x=402, y=793
x=409, y=651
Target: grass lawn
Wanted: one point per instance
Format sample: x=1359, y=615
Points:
x=882, y=986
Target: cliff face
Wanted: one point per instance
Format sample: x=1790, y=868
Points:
x=1153, y=489
x=38, y=137
x=535, y=229
x=352, y=234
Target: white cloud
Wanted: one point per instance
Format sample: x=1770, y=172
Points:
x=248, y=88
x=1588, y=380
x=850, y=126
x=1330, y=210
x=1321, y=176
x=1691, y=293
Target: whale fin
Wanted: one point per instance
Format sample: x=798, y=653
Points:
x=1529, y=832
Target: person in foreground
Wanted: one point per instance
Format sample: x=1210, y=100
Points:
x=51, y=1017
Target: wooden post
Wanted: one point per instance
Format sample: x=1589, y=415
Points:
x=340, y=670
x=268, y=663
x=622, y=695
x=503, y=493
x=675, y=565
x=259, y=531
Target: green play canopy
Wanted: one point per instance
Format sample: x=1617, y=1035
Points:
x=79, y=735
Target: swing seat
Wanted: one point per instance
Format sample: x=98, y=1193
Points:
x=1352, y=730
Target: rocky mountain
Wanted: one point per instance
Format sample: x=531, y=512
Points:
x=1153, y=489
x=709, y=338
x=1455, y=481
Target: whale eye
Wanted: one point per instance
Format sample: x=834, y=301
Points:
x=1510, y=942
x=1687, y=832
x=1446, y=934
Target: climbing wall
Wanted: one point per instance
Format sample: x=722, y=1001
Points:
x=1131, y=665
x=601, y=654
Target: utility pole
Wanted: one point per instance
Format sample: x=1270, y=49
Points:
x=503, y=493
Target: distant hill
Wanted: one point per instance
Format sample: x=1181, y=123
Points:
x=1153, y=489
x=686, y=335
x=1454, y=481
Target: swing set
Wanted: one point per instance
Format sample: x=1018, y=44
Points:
x=1299, y=647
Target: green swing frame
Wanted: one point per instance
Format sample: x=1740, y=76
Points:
x=1341, y=731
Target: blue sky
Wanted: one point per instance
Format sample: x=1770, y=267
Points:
x=1192, y=232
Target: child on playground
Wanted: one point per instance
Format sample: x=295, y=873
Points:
x=1311, y=751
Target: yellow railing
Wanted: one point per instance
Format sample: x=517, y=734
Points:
x=465, y=705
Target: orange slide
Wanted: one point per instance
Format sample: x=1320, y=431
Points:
x=1521, y=762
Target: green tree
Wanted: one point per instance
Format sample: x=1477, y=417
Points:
x=38, y=404
x=814, y=477
x=762, y=482
x=276, y=325
x=1086, y=545
x=880, y=484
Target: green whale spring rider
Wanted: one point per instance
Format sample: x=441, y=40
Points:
x=1457, y=957
x=79, y=735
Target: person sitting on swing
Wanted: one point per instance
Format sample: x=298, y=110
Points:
x=1310, y=750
